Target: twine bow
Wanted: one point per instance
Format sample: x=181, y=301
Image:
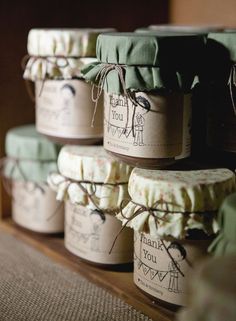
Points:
x=46, y=62
x=90, y=196
x=100, y=80
x=152, y=210
x=232, y=84
x=16, y=165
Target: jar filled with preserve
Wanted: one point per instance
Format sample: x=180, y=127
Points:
x=64, y=110
x=144, y=78
x=174, y=217
x=30, y=157
x=94, y=186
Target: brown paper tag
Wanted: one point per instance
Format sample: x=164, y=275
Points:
x=65, y=109
x=35, y=207
x=89, y=235
x=187, y=125
x=160, y=275
x=155, y=131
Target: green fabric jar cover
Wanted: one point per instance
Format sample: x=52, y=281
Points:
x=147, y=62
x=30, y=156
x=225, y=242
x=220, y=57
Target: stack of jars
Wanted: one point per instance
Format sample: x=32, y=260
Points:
x=148, y=79
x=142, y=91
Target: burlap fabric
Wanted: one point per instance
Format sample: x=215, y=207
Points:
x=33, y=288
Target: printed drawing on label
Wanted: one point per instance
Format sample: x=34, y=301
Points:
x=87, y=231
x=126, y=118
x=168, y=275
x=178, y=254
x=98, y=219
x=68, y=94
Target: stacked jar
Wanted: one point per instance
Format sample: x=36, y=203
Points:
x=174, y=215
x=64, y=109
x=145, y=78
x=30, y=158
x=94, y=186
x=195, y=103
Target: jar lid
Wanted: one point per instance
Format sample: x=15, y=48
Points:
x=226, y=41
x=147, y=61
x=189, y=200
x=30, y=156
x=26, y=143
x=64, y=42
x=104, y=178
x=147, y=49
x=225, y=243
x=212, y=289
x=199, y=29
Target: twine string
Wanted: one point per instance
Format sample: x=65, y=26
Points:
x=100, y=80
x=90, y=196
x=49, y=60
x=16, y=165
x=232, y=84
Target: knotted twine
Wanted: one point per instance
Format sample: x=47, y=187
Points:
x=48, y=61
x=93, y=184
x=8, y=181
x=100, y=80
x=152, y=210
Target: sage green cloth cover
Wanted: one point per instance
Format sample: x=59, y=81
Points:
x=220, y=56
x=225, y=243
x=30, y=155
x=150, y=62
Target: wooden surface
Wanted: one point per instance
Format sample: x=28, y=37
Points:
x=119, y=283
x=206, y=12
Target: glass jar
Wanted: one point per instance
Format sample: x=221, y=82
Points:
x=173, y=214
x=30, y=158
x=147, y=117
x=64, y=109
x=94, y=186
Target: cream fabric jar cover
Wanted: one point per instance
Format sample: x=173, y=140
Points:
x=30, y=158
x=165, y=207
x=64, y=109
x=93, y=185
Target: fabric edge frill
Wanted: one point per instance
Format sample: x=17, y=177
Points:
x=41, y=68
x=106, y=197
x=141, y=78
x=168, y=225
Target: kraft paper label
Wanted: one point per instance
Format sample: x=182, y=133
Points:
x=187, y=126
x=90, y=234
x=64, y=108
x=35, y=207
x=153, y=129
x=163, y=275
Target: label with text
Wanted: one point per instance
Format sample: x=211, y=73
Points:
x=35, y=207
x=89, y=234
x=162, y=268
x=64, y=108
x=151, y=128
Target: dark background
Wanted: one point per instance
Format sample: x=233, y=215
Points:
x=17, y=17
